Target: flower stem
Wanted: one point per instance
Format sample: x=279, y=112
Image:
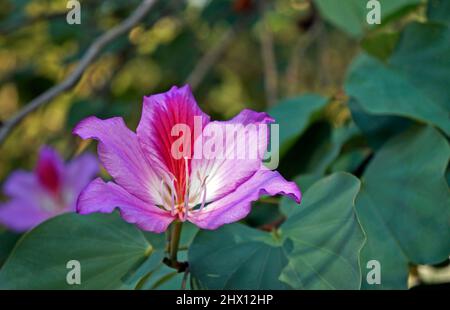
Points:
x=175, y=240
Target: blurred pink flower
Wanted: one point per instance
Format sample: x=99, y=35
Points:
x=51, y=189
x=153, y=187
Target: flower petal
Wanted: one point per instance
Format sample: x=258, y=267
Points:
x=122, y=156
x=160, y=113
x=49, y=169
x=19, y=184
x=21, y=215
x=237, y=204
x=103, y=197
x=243, y=151
x=80, y=171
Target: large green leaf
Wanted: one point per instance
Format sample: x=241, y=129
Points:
x=439, y=11
x=319, y=161
x=106, y=247
x=330, y=148
x=350, y=15
x=294, y=115
x=7, y=241
x=380, y=45
x=377, y=129
x=162, y=276
x=351, y=160
x=236, y=257
x=317, y=247
x=404, y=205
x=326, y=235
x=402, y=87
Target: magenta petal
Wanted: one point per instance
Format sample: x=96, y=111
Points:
x=122, y=156
x=20, y=215
x=19, y=183
x=237, y=204
x=80, y=171
x=49, y=170
x=248, y=116
x=103, y=197
x=160, y=113
x=225, y=173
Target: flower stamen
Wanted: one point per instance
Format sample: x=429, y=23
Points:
x=203, y=190
x=186, y=192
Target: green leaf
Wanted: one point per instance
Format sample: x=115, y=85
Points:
x=330, y=148
x=351, y=15
x=326, y=235
x=377, y=129
x=439, y=11
x=351, y=160
x=380, y=45
x=319, y=161
x=264, y=212
x=404, y=208
x=304, y=182
x=402, y=87
x=294, y=115
x=317, y=247
x=163, y=277
x=106, y=247
x=236, y=257
x=7, y=241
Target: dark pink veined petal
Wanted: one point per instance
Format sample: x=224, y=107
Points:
x=80, y=171
x=49, y=170
x=160, y=113
x=244, y=139
x=122, y=156
x=22, y=215
x=237, y=204
x=103, y=197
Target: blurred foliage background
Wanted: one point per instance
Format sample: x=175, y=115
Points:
x=290, y=57
x=38, y=49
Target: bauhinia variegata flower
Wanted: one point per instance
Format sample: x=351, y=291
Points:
x=51, y=189
x=180, y=165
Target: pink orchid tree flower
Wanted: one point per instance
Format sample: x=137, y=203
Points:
x=153, y=185
x=51, y=189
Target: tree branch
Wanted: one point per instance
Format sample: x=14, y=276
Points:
x=93, y=51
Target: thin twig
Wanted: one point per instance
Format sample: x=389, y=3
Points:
x=92, y=52
x=268, y=57
x=210, y=58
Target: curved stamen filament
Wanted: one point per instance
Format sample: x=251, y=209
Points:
x=173, y=196
x=186, y=191
x=161, y=193
x=204, y=193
